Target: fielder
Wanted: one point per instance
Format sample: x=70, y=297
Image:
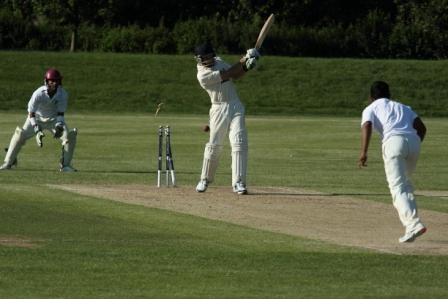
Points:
x=402, y=132
x=227, y=114
x=46, y=110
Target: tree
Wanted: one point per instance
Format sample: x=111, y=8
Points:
x=70, y=13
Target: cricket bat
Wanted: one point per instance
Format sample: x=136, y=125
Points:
x=264, y=31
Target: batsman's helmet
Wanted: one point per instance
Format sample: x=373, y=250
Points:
x=53, y=75
x=205, y=54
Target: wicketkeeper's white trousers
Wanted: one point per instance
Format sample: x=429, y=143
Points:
x=400, y=155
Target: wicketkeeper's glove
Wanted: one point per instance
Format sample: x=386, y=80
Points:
x=58, y=129
x=39, y=136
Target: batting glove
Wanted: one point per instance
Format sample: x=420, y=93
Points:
x=250, y=63
x=252, y=53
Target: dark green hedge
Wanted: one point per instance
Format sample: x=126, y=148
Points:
x=375, y=36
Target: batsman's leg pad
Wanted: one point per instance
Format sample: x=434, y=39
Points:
x=17, y=141
x=212, y=153
x=68, y=147
x=238, y=142
x=239, y=164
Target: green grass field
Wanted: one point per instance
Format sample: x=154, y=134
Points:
x=57, y=244
x=303, y=123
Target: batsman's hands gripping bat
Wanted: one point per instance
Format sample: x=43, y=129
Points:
x=252, y=53
x=250, y=63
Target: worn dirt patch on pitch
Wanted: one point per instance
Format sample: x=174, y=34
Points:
x=12, y=241
x=337, y=219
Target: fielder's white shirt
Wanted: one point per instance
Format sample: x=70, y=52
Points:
x=210, y=79
x=389, y=118
x=45, y=107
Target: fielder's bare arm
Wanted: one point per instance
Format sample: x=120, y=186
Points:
x=46, y=111
x=226, y=115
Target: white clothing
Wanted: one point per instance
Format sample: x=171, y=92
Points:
x=46, y=107
x=226, y=116
x=210, y=80
x=401, y=148
x=400, y=155
x=389, y=118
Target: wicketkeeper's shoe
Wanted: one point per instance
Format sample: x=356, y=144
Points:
x=240, y=188
x=5, y=166
x=68, y=169
x=202, y=186
x=412, y=235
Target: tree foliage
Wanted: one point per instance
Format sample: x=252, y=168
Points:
x=336, y=28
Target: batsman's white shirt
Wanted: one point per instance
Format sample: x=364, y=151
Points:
x=46, y=107
x=226, y=116
x=389, y=118
x=210, y=80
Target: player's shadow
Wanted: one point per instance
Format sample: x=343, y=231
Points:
x=316, y=194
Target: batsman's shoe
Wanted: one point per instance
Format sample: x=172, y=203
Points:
x=68, y=169
x=202, y=186
x=240, y=188
x=412, y=235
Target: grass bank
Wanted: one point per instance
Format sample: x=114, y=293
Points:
x=281, y=85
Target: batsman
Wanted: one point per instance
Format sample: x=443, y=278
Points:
x=46, y=110
x=226, y=114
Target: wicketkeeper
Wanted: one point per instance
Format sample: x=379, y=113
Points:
x=226, y=115
x=402, y=132
x=46, y=110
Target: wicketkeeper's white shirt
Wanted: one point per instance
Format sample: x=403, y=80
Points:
x=389, y=118
x=210, y=80
x=46, y=107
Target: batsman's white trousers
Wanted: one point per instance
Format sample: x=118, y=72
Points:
x=400, y=155
x=226, y=118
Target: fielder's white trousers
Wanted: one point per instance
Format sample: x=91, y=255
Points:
x=400, y=155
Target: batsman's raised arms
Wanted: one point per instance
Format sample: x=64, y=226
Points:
x=264, y=31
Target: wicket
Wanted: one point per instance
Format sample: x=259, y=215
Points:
x=170, y=177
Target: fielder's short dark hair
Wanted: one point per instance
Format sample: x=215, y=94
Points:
x=379, y=89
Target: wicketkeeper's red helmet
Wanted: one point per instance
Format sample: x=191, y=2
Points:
x=53, y=75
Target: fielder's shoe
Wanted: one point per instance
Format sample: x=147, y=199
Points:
x=240, y=188
x=202, y=186
x=68, y=169
x=412, y=235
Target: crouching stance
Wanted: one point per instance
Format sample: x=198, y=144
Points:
x=46, y=110
x=227, y=114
